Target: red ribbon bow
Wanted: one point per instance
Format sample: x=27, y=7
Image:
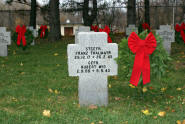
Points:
x=21, y=32
x=181, y=28
x=43, y=29
x=142, y=49
x=146, y=26
x=94, y=28
x=107, y=30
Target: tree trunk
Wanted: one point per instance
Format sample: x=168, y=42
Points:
x=147, y=11
x=54, y=20
x=89, y=19
x=33, y=13
x=131, y=12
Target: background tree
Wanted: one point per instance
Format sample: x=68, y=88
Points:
x=131, y=12
x=147, y=11
x=54, y=20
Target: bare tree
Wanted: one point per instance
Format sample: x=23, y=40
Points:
x=54, y=20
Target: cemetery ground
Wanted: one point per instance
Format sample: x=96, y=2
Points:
x=35, y=89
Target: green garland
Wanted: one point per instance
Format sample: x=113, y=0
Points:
x=46, y=33
x=178, y=38
x=29, y=39
x=158, y=60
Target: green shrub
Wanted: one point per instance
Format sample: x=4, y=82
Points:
x=158, y=60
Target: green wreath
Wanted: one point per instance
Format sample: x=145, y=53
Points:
x=46, y=33
x=29, y=39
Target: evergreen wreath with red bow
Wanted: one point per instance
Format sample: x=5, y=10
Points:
x=22, y=37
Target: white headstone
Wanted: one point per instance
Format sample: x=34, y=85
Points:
x=130, y=29
x=168, y=36
x=81, y=29
x=5, y=39
x=92, y=59
x=34, y=32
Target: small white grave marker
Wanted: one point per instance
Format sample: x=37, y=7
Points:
x=34, y=32
x=81, y=29
x=5, y=39
x=130, y=29
x=168, y=36
x=92, y=59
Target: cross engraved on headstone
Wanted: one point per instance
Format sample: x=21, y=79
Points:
x=5, y=40
x=130, y=29
x=92, y=59
x=81, y=29
x=168, y=36
x=34, y=32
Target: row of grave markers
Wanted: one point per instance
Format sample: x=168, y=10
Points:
x=165, y=32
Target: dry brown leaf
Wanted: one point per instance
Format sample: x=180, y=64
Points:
x=173, y=110
x=92, y=122
x=144, y=89
x=154, y=117
x=50, y=90
x=56, y=54
x=56, y=92
x=46, y=113
x=110, y=86
x=117, y=98
x=21, y=64
x=162, y=113
x=178, y=122
x=93, y=107
x=163, y=89
x=179, y=89
x=132, y=86
x=100, y=122
x=183, y=122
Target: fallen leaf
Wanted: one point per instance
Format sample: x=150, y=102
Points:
x=146, y=112
x=22, y=73
x=117, y=98
x=21, y=64
x=110, y=86
x=56, y=92
x=46, y=113
x=132, y=86
x=58, y=65
x=173, y=110
x=179, y=89
x=100, y=122
x=3, y=65
x=178, y=61
x=93, y=107
x=115, y=77
x=56, y=54
x=154, y=117
x=144, y=89
x=78, y=105
x=162, y=113
x=92, y=122
x=50, y=90
x=183, y=122
x=14, y=99
x=14, y=52
x=178, y=122
x=163, y=89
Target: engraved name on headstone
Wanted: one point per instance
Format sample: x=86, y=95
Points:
x=92, y=59
x=81, y=29
x=168, y=36
x=5, y=40
x=130, y=29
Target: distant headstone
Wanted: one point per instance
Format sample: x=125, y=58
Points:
x=5, y=39
x=92, y=59
x=81, y=29
x=168, y=36
x=130, y=29
x=34, y=32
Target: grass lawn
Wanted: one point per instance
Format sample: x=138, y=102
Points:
x=38, y=80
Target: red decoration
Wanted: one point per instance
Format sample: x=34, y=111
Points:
x=142, y=49
x=43, y=29
x=94, y=28
x=107, y=30
x=146, y=26
x=181, y=28
x=21, y=35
